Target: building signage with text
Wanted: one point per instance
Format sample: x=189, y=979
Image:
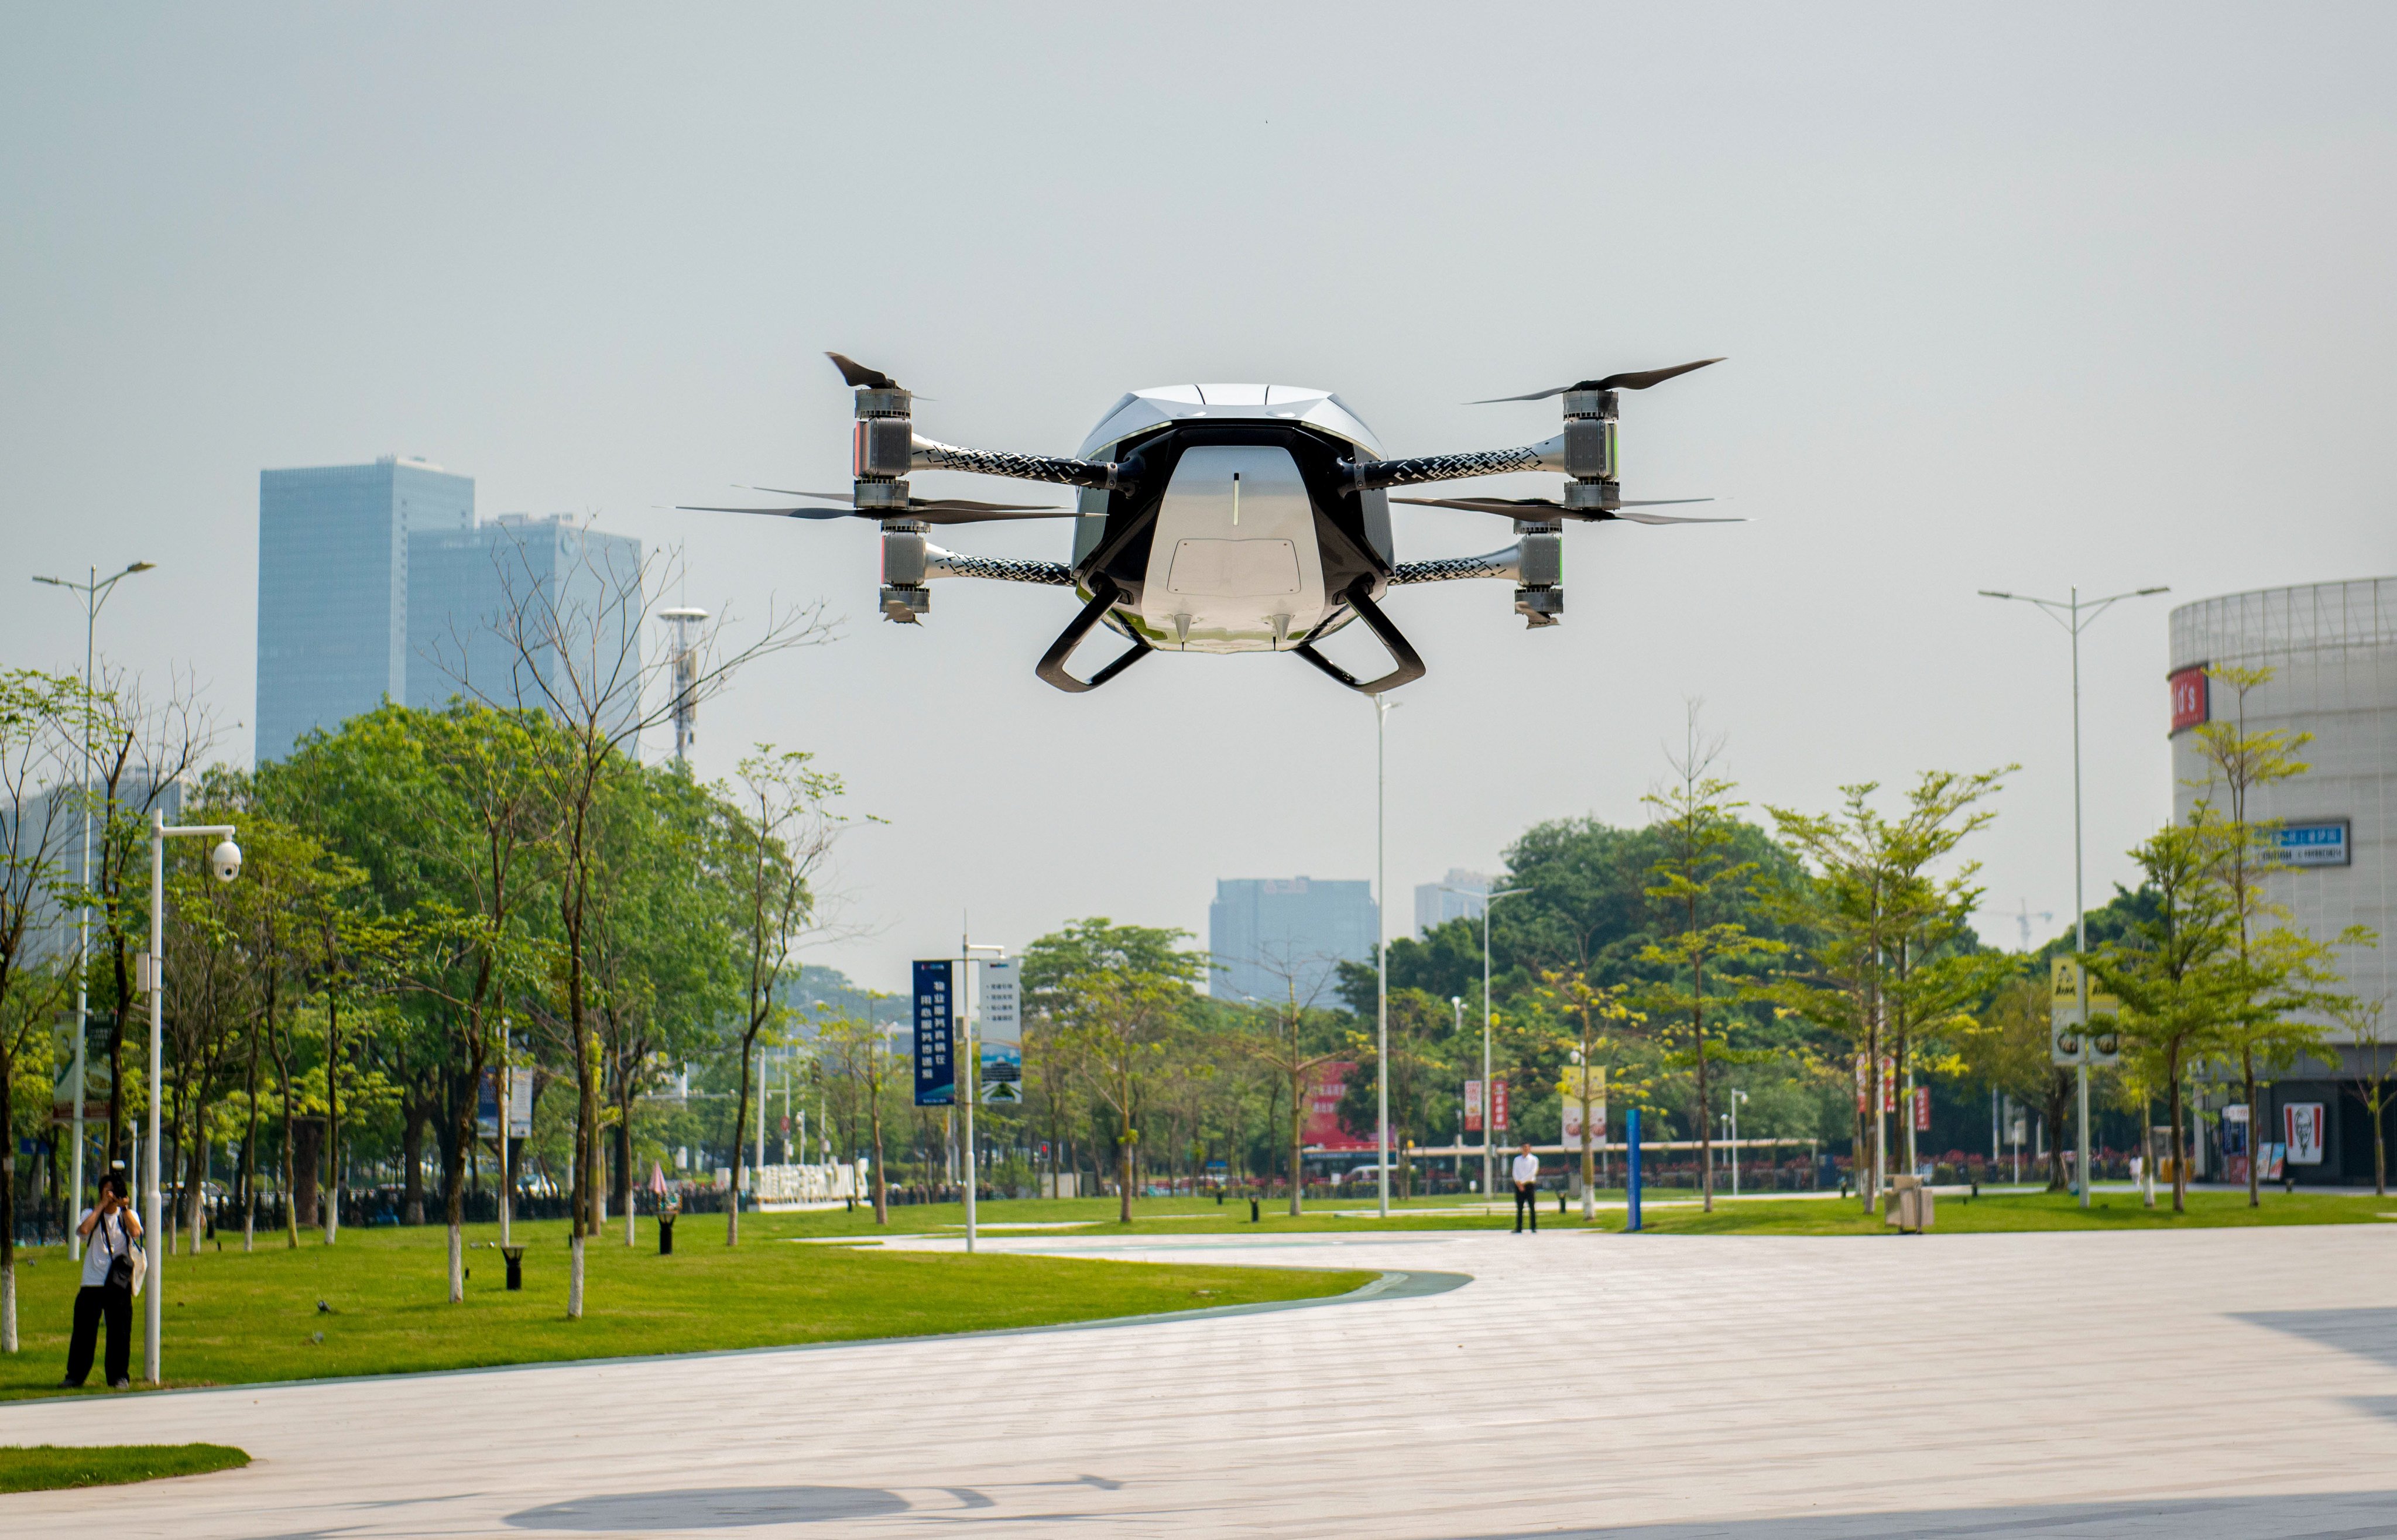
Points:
x=2313, y=842
x=936, y=1070
x=2189, y=696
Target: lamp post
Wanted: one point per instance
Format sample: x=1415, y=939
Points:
x=1737, y=1096
x=225, y=862
x=1383, y=705
x=2070, y=614
x=95, y=590
x=1489, y=1108
x=969, y=1053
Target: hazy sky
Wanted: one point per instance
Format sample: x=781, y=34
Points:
x=2015, y=296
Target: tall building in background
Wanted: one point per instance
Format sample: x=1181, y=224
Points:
x=1269, y=933
x=333, y=587
x=1459, y=895
x=463, y=580
x=374, y=583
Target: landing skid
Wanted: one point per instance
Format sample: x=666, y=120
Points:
x=1402, y=654
x=1052, y=666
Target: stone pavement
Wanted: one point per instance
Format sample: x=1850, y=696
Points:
x=2206, y=1383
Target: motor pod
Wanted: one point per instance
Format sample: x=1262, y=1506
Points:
x=904, y=594
x=1590, y=419
x=881, y=448
x=1540, y=571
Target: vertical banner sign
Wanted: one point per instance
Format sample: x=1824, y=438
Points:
x=1923, y=1109
x=1473, y=1107
x=2302, y=1122
x=1888, y=1083
x=1498, y=1103
x=487, y=1104
x=1862, y=1093
x=936, y=1070
x=2189, y=696
x=1001, y=1083
x=1570, y=1135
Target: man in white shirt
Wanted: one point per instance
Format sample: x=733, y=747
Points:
x=1526, y=1171
x=109, y=1232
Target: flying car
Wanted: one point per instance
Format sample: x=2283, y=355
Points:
x=1230, y=518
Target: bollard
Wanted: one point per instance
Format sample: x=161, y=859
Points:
x=1253, y=1210
x=515, y=1265
x=665, y=1235
x=1631, y=1165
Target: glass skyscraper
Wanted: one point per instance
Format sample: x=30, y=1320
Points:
x=1271, y=935
x=374, y=583
x=333, y=589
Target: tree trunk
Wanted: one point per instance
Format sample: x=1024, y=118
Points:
x=1297, y=1141
x=2179, y=1147
x=2254, y=1131
x=740, y=1128
x=624, y=1153
x=881, y=1190
x=413, y=1118
x=332, y=1121
x=9, y=1202
x=303, y=1144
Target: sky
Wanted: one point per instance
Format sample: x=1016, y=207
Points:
x=2020, y=297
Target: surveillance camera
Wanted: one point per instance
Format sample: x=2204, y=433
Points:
x=225, y=861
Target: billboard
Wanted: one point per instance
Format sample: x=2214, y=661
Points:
x=1498, y=1103
x=2301, y=1122
x=2189, y=697
x=936, y=1070
x=1473, y=1107
x=2314, y=842
x=1000, y=1082
x=1325, y=1085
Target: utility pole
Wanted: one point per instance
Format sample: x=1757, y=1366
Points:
x=1490, y=898
x=1382, y=707
x=95, y=591
x=2068, y=613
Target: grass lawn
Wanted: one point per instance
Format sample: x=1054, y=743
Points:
x=47, y=1468
x=2019, y=1211
x=232, y=1318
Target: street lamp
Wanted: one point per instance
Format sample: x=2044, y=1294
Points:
x=95, y=590
x=1489, y=897
x=1737, y=1096
x=224, y=862
x=2068, y=613
x=1383, y=705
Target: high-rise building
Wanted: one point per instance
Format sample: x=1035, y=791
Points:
x=375, y=583
x=333, y=587
x=462, y=580
x=1271, y=935
x=1459, y=895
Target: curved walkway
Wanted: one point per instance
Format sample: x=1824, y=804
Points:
x=2208, y=1382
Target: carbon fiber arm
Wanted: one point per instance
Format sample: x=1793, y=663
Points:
x=929, y=454
x=1497, y=564
x=949, y=564
x=1373, y=474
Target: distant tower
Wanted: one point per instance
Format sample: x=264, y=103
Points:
x=686, y=677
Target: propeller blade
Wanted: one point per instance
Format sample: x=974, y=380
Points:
x=776, y=513
x=945, y=504
x=1640, y=379
x=857, y=374
x=928, y=511
x=1548, y=507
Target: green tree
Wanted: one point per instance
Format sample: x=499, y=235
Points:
x=1119, y=994
x=2176, y=974
x=1291, y=1038
x=1601, y=1034
x=2368, y=1031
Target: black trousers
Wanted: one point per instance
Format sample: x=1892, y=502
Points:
x=1527, y=1201
x=92, y=1301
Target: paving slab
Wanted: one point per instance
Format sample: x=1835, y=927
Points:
x=2195, y=1384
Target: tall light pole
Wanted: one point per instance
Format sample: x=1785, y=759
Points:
x=1490, y=898
x=95, y=590
x=969, y=1052
x=225, y=862
x=1382, y=706
x=2068, y=613
x=686, y=679
x=1737, y=1096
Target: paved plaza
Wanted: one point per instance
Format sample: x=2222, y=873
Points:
x=2206, y=1383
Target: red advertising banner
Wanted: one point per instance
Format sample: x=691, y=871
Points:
x=1498, y=1103
x=2189, y=697
x=1323, y=1130
x=1923, y=1109
x=1863, y=1093
x=1473, y=1107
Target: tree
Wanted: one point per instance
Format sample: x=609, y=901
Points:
x=783, y=834
x=1290, y=1038
x=40, y=715
x=1602, y=1029
x=1705, y=951
x=2280, y=972
x=2176, y=974
x=2367, y=1031
x=569, y=643
x=2007, y=1050
x=857, y=1046
x=1119, y=994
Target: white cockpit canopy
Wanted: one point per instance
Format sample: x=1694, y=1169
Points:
x=1160, y=405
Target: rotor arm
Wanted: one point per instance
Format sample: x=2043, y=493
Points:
x=1371, y=475
x=933, y=455
x=1497, y=564
x=939, y=563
